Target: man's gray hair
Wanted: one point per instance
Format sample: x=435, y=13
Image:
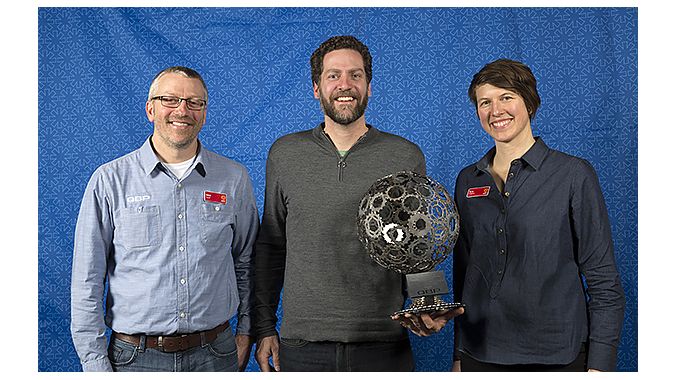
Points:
x=185, y=71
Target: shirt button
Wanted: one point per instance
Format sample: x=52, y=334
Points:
x=183, y=281
x=500, y=272
x=511, y=175
x=507, y=193
x=502, y=210
x=500, y=230
x=180, y=248
x=502, y=251
x=180, y=216
x=217, y=208
x=181, y=314
x=179, y=186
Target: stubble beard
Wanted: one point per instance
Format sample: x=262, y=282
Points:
x=179, y=141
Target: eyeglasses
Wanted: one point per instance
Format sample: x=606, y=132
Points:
x=194, y=104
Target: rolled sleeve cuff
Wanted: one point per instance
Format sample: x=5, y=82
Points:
x=98, y=365
x=244, y=325
x=265, y=332
x=602, y=357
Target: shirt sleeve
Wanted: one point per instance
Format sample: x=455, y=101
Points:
x=93, y=240
x=245, y=231
x=596, y=260
x=270, y=255
x=420, y=166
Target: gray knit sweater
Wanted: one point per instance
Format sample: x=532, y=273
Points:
x=308, y=241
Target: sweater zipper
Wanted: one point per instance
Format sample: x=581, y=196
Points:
x=341, y=159
x=341, y=165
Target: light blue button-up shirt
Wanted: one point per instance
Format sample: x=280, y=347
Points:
x=177, y=253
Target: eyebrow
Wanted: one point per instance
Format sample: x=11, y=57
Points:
x=349, y=70
x=506, y=92
x=173, y=95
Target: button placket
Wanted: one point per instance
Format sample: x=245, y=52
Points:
x=182, y=254
x=499, y=203
x=500, y=235
x=509, y=181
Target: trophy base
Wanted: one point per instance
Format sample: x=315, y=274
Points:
x=428, y=305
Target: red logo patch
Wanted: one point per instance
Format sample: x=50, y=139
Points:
x=475, y=192
x=210, y=196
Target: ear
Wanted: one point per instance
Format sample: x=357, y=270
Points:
x=368, y=91
x=150, y=111
x=315, y=90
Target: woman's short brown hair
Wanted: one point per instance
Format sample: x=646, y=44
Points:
x=510, y=75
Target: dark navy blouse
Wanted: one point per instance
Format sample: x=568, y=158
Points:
x=535, y=264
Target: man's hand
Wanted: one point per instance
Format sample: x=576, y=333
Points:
x=265, y=348
x=426, y=324
x=243, y=343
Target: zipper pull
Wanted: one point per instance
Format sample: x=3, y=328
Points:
x=341, y=165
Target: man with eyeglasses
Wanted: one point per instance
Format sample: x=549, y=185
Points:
x=170, y=227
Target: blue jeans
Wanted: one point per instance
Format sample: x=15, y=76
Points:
x=297, y=355
x=217, y=356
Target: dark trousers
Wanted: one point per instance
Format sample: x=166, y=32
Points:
x=297, y=355
x=469, y=364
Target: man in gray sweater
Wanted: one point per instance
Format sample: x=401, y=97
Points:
x=336, y=299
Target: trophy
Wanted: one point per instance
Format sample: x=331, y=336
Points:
x=408, y=223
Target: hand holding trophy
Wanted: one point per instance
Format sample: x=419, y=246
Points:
x=408, y=223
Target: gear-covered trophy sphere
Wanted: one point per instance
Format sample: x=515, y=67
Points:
x=408, y=222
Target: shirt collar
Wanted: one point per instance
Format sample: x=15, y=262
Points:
x=485, y=161
x=200, y=160
x=150, y=161
x=536, y=154
x=533, y=157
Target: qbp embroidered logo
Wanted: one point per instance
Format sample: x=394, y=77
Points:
x=137, y=198
x=475, y=192
x=210, y=196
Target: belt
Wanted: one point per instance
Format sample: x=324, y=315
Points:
x=174, y=343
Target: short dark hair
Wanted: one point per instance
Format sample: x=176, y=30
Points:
x=337, y=43
x=511, y=75
x=185, y=71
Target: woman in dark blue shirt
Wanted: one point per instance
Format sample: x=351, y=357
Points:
x=534, y=262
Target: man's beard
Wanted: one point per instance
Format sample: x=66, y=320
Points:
x=346, y=116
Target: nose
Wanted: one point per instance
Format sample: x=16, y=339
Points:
x=182, y=107
x=496, y=109
x=344, y=82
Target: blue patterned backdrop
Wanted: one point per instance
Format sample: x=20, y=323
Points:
x=96, y=64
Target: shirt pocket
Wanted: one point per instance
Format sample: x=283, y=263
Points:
x=216, y=225
x=139, y=227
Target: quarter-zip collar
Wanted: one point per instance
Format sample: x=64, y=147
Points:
x=325, y=142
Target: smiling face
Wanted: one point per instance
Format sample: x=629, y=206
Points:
x=343, y=89
x=176, y=129
x=503, y=114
